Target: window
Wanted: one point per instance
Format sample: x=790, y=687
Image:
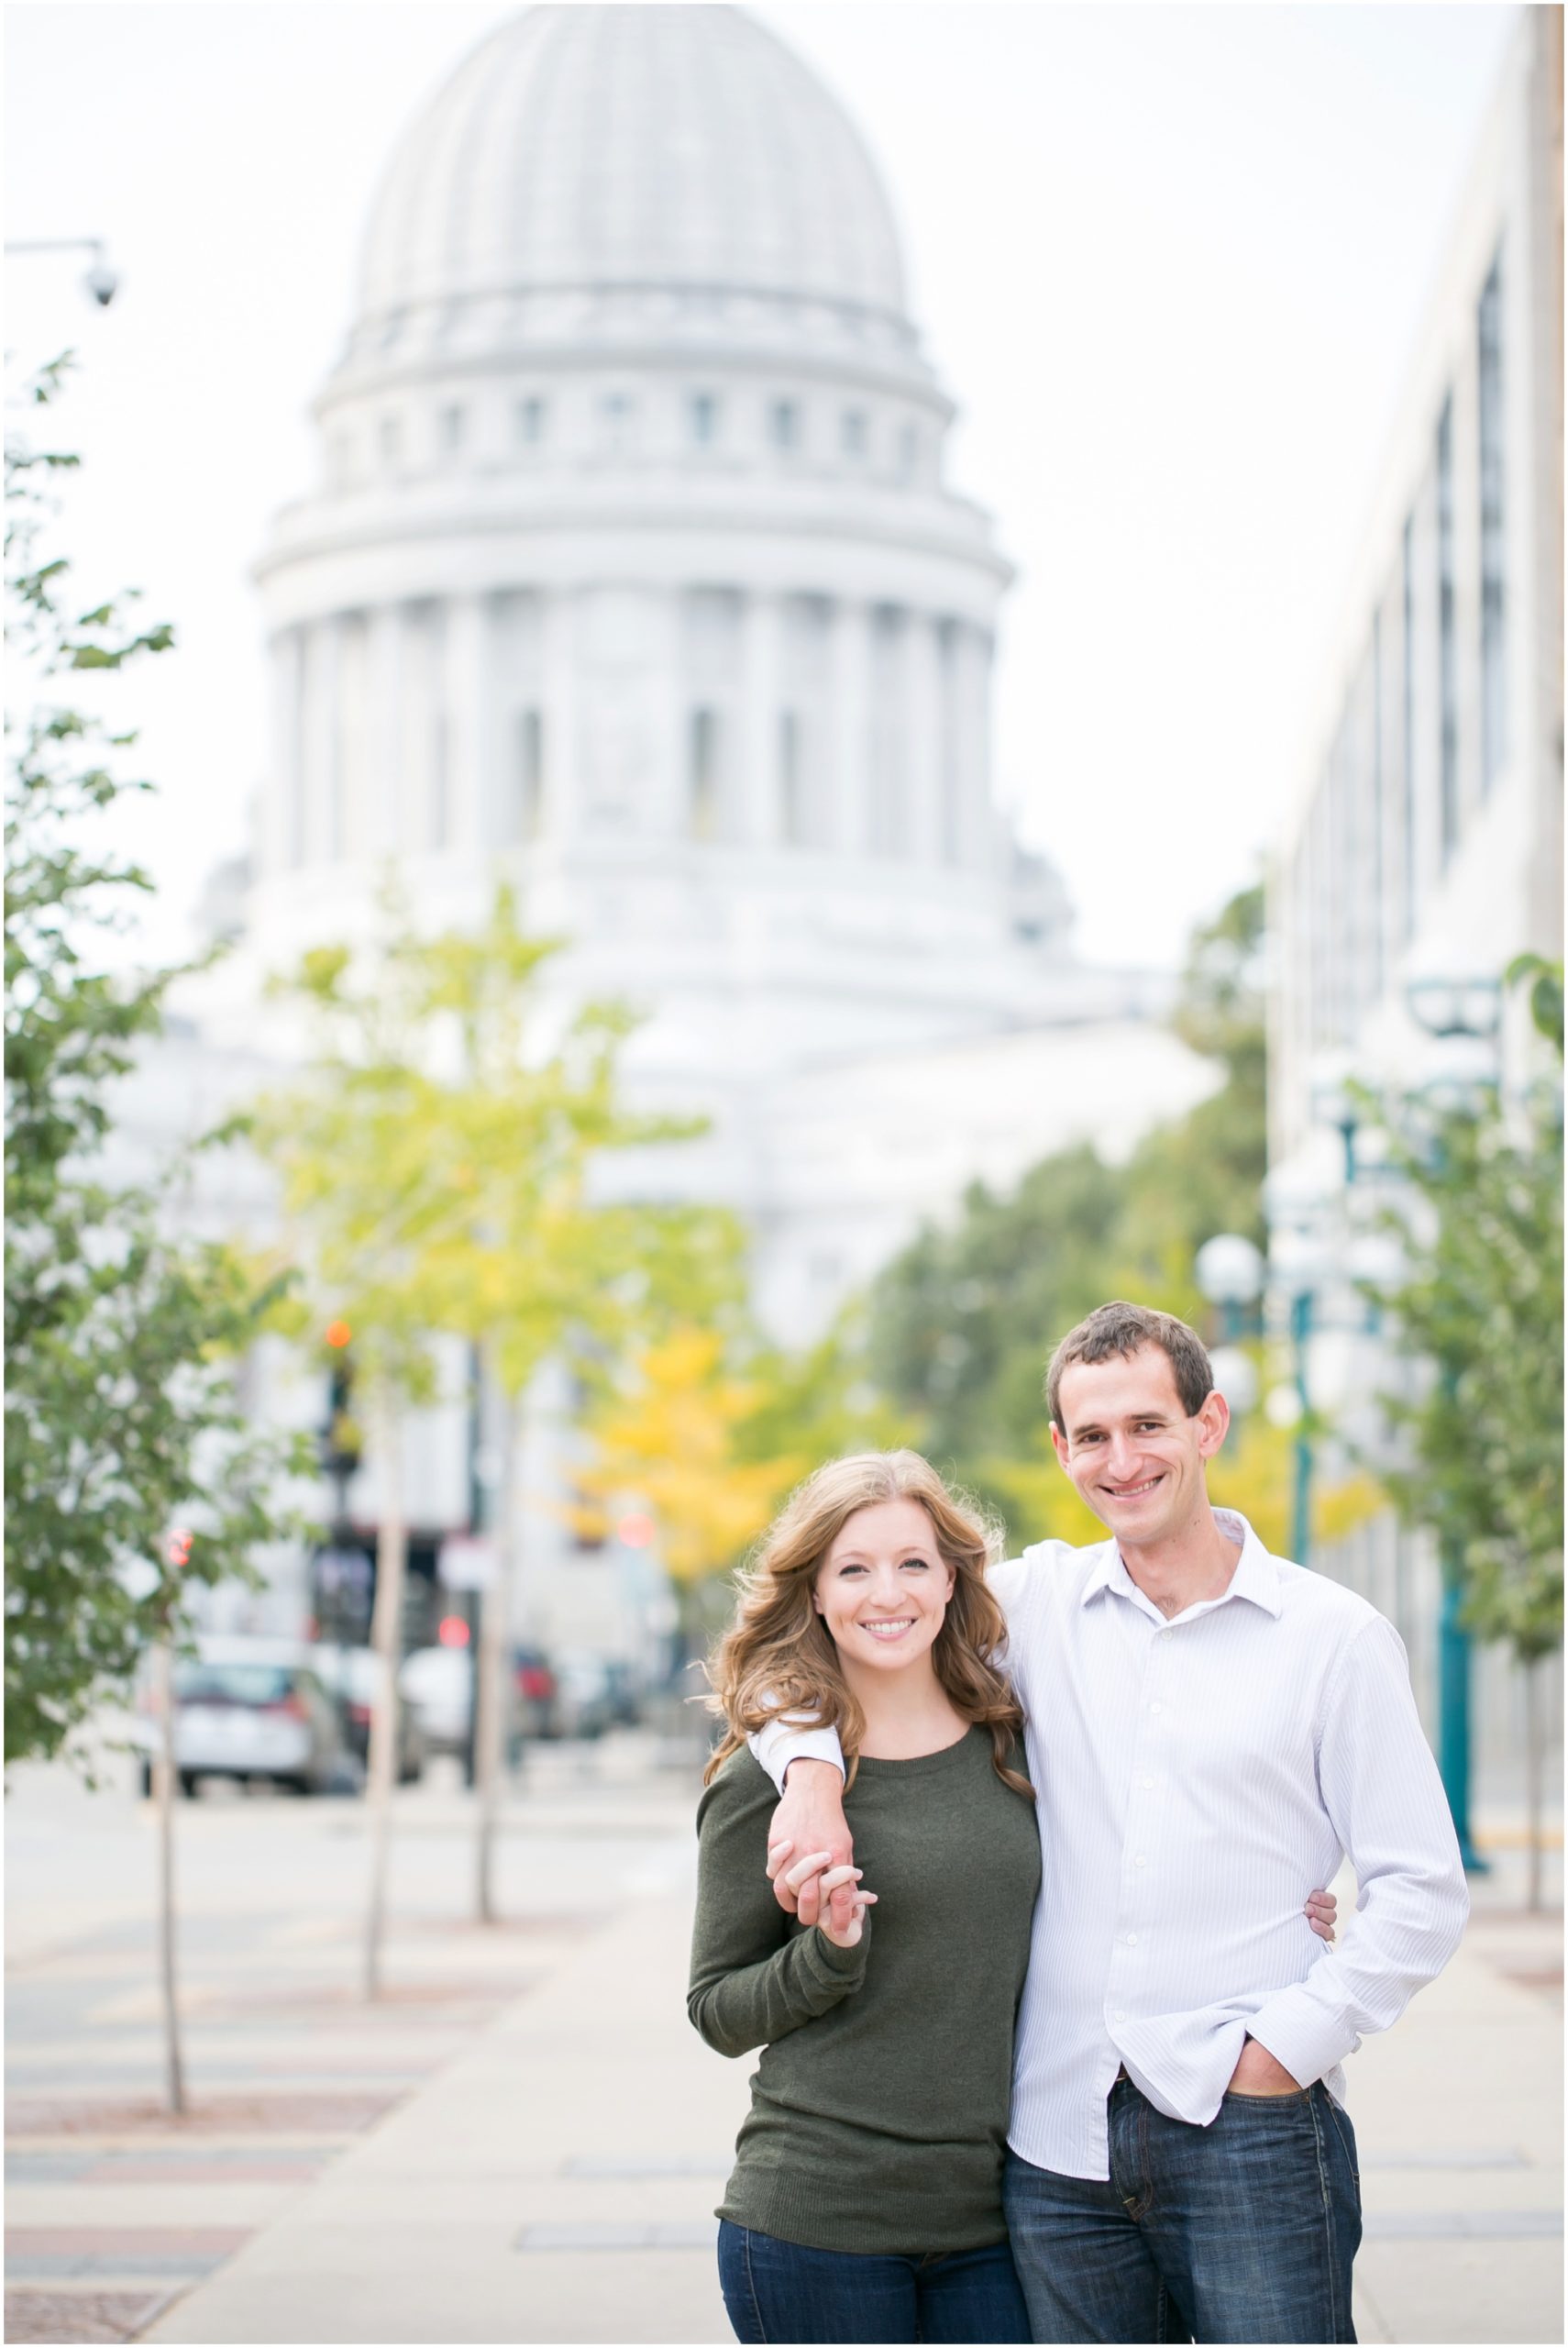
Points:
x=909, y=452
x=453, y=426
x=531, y=419
x=784, y=424
x=1493, y=679
x=1448, y=680
x=389, y=441
x=440, y=809
x=1408, y=715
x=703, y=774
x=852, y=431
x=702, y=418
x=792, y=809
x=529, y=784
x=1374, y=811
x=615, y=419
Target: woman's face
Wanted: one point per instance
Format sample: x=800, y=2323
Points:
x=882, y=1588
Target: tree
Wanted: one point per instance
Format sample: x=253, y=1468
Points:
x=121, y=1417
x=963, y=1321
x=444, y=1175
x=709, y=1432
x=1480, y=1304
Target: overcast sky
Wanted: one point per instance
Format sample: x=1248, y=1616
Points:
x=1171, y=261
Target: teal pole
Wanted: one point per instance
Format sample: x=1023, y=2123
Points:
x=1454, y=1711
x=1301, y=1503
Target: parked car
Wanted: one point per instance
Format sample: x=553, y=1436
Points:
x=587, y=1693
x=537, y=1692
x=625, y=1693
x=352, y=1674
x=254, y=1708
x=438, y=1686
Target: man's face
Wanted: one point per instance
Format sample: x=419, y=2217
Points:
x=1134, y=1455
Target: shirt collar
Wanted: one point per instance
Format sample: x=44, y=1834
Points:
x=1256, y=1576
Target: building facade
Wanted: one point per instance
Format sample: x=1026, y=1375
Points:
x=632, y=576
x=1424, y=848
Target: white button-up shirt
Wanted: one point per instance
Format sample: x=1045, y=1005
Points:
x=1196, y=1777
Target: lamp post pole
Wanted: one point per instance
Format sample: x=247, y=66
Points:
x=1301, y=1456
x=1470, y=1008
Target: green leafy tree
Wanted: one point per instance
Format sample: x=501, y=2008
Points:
x=964, y=1319
x=441, y=1174
x=121, y=1417
x=122, y=1421
x=1480, y=1303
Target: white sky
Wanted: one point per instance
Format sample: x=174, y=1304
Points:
x=1171, y=261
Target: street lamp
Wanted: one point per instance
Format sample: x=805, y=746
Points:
x=98, y=279
x=1230, y=1274
x=1471, y=1008
x=1296, y=1262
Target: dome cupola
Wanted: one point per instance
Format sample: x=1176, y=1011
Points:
x=663, y=173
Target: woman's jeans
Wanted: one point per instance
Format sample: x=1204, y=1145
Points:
x=780, y=2290
x=1244, y=2230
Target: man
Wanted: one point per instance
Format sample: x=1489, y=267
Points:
x=1209, y=1728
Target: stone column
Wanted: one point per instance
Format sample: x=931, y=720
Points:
x=384, y=829
x=850, y=829
x=976, y=819
x=563, y=804
x=664, y=818
x=310, y=748
x=324, y=824
x=464, y=691
x=280, y=827
x=920, y=817
x=758, y=820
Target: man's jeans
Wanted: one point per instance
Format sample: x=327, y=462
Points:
x=780, y=2290
x=1244, y=2230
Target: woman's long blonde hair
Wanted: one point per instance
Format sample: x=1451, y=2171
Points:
x=778, y=1655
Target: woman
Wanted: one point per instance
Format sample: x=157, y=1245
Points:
x=865, y=2202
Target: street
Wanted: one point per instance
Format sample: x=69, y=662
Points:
x=524, y=2139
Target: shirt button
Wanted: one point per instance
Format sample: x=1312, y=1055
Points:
x=1156, y=1707
x=1139, y=1861
x=1118, y=2017
x=1147, y=1784
x=1132, y=1940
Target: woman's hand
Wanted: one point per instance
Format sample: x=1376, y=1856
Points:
x=843, y=1904
x=1321, y=1908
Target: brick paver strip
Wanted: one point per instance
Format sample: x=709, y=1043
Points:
x=152, y=2171
x=106, y=2242
x=80, y=2315
x=215, y=2115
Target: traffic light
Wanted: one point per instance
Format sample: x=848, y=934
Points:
x=340, y=1439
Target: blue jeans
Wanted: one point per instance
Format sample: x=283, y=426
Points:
x=780, y=2290
x=1244, y=2230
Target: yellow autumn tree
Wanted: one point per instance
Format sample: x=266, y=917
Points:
x=674, y=1440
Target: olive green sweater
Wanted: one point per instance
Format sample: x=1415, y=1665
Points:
x=879, y=2110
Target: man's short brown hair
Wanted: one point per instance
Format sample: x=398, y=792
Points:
x=1118, y=1330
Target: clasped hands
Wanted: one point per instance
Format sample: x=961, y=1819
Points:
x=820, y=1891
x=822, y=1888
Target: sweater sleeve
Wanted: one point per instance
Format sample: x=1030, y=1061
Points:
x=756, y=1975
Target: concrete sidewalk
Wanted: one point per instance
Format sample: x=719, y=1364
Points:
x=556, y=2180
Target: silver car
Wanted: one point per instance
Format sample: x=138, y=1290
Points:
x=255, y=1708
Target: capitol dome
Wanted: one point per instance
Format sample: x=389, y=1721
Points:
x=677, y=152
x=633, y=575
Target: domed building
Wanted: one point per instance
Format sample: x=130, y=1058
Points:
x=632, y=573
x=631, y=576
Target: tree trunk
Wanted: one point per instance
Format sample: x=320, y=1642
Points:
x=491, y=1666
x=164, y=1782
x=1532, y=1782
x=386, y=1638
